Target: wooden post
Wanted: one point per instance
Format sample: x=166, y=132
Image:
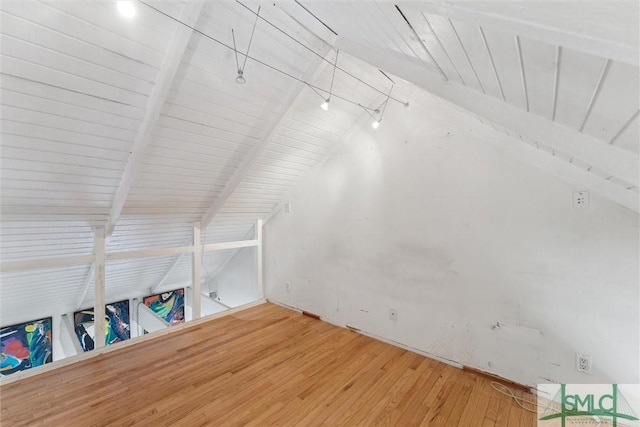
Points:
x=197, y=261
x=258, y=230
x=68, y=334
x=99, y=285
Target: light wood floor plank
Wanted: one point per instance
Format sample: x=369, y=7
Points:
x=263, y=366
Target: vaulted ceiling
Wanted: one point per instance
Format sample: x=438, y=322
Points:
x=138, y=124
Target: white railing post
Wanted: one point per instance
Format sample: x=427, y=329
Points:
x=197, y=262
x=99, y=286
x=68, y=335
x=258, y=238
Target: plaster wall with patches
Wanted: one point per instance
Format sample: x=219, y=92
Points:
x=484, y=258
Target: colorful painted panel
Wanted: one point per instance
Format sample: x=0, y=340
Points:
x=25, y=346
x=116, y=324
x=168, y=305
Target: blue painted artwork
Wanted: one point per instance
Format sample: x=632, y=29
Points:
x=25, y=346
x=116, y=325
x=168, y=305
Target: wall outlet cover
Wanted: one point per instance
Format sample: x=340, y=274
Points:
x=580, y=199
x=583, y=363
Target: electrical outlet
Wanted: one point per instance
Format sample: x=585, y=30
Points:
x=580, y=199
x=393, y=314
x=288, y=286
x=583, y=363
x=287, y=207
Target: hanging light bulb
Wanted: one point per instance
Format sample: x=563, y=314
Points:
x=325, y=104
x=126, y=9
x=375, y=124
x=240, y=79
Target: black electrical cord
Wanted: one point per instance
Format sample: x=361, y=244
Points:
x=320, y=56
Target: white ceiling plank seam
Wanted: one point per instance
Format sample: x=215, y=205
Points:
x=624, y=127
x=424, y=47
x=596, y=92
x=523, y=75
x=466, y=55
x=595, y=44
x=261, y=145
x=166, y=76
x=493, y=64
x=562, y=138
x=439, y=42
x=556, y=79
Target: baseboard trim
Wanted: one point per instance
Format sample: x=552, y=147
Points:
x=313, y=316
x=497, y=378
x=488, y=375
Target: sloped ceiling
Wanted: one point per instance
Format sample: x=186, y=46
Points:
x=558, y=75
x=138, y=125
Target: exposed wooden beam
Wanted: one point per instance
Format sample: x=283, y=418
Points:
x=223, y=265
x=145, y=253
x=99, y=288
x=561, y=168
x=257, y=150
x=589, y=43
x=258, y=254
x=493, y=64
x=206, y=248
x=596, y=93
x=556, y=80
x=196, y=278
x=230, y=245
x=446, y=52
x=616, y=162
x=624, y=127
x=523, y=74
x=466, y=55
x=424, y=47
x=32, y=264
x=181, y=36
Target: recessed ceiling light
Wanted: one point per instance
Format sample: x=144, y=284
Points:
x=126, y=8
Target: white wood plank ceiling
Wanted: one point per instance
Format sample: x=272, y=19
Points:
x=138, y=125
x=514, y=53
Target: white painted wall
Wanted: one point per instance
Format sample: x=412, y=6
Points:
x=427, y=216
x=236, y=283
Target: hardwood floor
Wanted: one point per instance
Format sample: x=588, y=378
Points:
x=262, y=366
